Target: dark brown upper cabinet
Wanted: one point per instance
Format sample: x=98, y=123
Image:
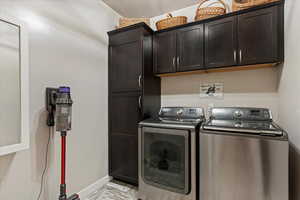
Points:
x=248, y=37
x=164, y=45
x=221, y=43
x=179, y=50
x=258, y=36
x=126, y=71
x=134, y=94
x=190, y=48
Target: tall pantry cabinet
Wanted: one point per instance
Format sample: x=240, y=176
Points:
x=134, y=94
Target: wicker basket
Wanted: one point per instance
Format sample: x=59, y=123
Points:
x=244, y=4
x=123, y=22
x=170, y=22
x=207, y=12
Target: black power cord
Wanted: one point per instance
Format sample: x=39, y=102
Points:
x=46, y=165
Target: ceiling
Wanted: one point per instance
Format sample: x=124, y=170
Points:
x=147, y=8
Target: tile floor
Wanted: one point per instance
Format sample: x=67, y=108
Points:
x=114, y=190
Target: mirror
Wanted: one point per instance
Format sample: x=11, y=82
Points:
x=10, y=91
x=14, y=132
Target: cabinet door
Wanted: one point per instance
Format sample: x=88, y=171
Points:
x=165, y=52
x=124, y=158
x=125, y=114
x=258, y=34
x=221, y=43
x=190, y=45
x=126, y=66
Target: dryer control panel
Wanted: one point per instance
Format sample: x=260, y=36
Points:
x=181, y=113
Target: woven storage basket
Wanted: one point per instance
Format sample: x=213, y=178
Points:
x=244, y=4
x=170, y=22
x=123, y=22
x=207, y=12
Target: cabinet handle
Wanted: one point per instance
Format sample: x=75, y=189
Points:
x=140, y=80
x=140, y=102
x=241, y=55
x=173, y=61
x=178, y=61
x=234, y=56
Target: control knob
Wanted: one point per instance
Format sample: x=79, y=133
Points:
x=180, y=112
x=238, y=114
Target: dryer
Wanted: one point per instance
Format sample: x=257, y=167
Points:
x=167, y=154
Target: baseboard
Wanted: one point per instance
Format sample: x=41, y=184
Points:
x=93, y=187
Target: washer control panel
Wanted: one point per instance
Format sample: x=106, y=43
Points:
x=257, y=114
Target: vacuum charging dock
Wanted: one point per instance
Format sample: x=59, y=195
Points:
x=51, y=94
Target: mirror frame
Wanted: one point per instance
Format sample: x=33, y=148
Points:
x=24, y=76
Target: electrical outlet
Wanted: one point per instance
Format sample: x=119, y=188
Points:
x=211, y=90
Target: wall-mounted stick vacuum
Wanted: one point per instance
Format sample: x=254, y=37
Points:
x=59, y=107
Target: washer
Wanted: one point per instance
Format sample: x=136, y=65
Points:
x=243, y=155
x=167, y=154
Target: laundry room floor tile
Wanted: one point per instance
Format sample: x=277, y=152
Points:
x=115, y=190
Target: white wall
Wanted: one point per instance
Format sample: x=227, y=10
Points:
x=289, y=89
x=68, y=46
x=254, y=88
x=257, y=88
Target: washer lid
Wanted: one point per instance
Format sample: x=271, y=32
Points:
x=172, y=124
x=265, y=128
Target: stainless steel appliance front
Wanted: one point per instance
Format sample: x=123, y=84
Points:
x=167, y=163
x=167, y=154
x=242, y=164
x=165, y=159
